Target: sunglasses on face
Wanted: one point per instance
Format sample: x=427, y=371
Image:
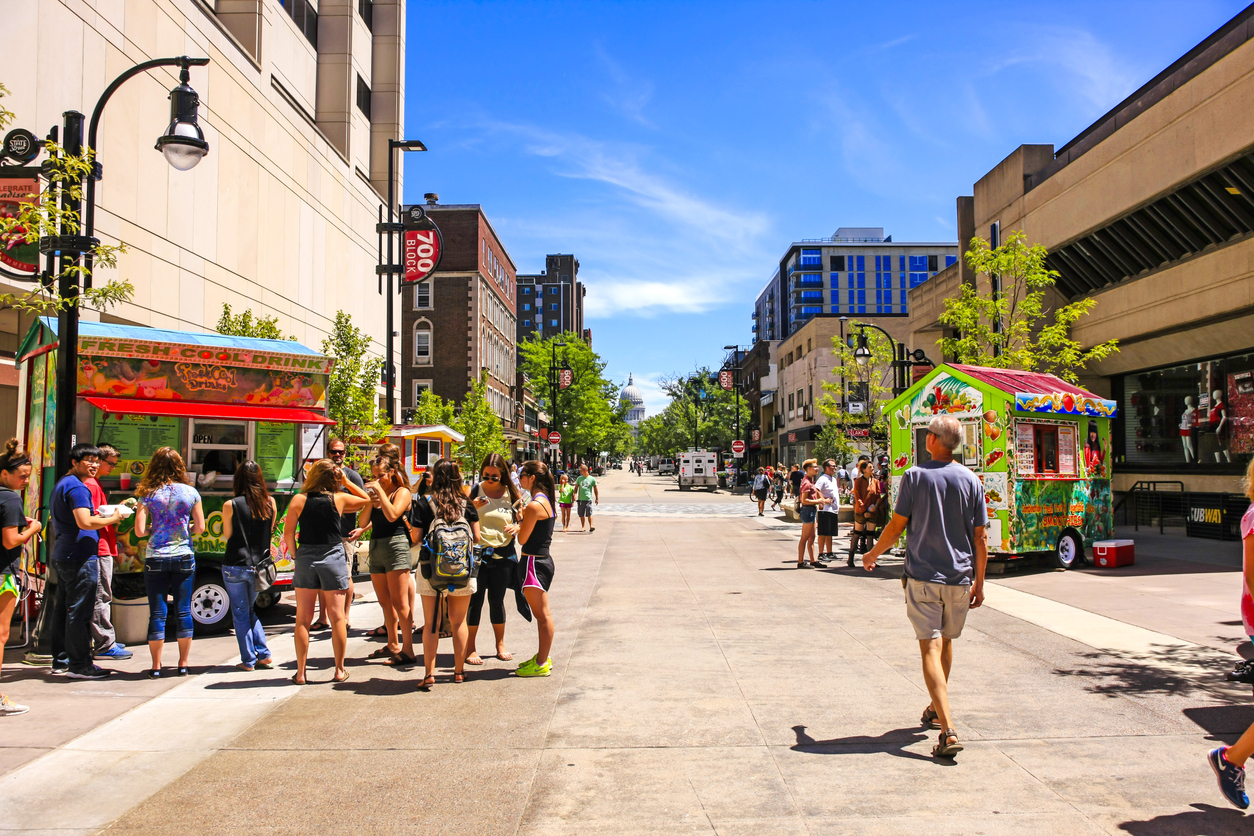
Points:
x=491, y=478
x=337, y=452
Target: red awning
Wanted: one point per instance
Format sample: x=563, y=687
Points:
x=187, y=409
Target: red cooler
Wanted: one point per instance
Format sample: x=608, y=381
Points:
x=1111, y=553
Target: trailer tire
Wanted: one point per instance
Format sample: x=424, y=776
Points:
x=211, y=607
x=684, y=487
x=1069, y=552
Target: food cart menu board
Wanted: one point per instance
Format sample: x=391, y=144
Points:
x=276, y=444
x=1025, y=449
x=137, y=437
x=1066, y=451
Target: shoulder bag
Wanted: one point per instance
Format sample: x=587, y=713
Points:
x=265, y=569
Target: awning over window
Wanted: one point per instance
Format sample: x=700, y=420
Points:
x=228, y=411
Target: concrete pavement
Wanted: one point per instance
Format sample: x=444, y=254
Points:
x=700, y=685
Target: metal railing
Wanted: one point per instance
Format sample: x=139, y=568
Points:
x=1148, y=502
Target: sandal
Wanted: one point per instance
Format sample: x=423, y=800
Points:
x=346, y=675
x=459, y=676
x=381, y=653
x=505, y=657
x=930, y=719
x=318, y=625
x=477, y=660
x=295, y=677
x=426, y=683
x=945, y=749
x=400, y=660
x=264, y=664
x=380, y=632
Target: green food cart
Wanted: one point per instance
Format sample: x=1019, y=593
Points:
x=217, y=399
x=1040, y=445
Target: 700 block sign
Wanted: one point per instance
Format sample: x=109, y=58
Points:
x=424, y=245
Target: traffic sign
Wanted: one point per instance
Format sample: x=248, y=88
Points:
x=738, y=448
x=725, y=379
x=555, y=438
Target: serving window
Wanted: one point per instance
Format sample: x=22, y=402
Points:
x=218, y=446
x=1045, y=450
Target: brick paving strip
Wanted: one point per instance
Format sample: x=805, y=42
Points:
x=701, y=685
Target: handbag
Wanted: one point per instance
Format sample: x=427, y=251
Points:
x=265, y=570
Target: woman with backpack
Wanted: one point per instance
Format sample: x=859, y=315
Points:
x=247, y=524
x=318, y=550
x=534, y=534
x=496, y=498
x=385, y=517
x=447, y=513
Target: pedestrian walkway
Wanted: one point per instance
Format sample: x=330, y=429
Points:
x=740, y=508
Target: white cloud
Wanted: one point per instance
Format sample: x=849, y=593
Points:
x=630, y=95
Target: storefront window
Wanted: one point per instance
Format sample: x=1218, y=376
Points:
x=1198, y=413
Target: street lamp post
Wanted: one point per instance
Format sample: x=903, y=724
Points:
x=183, y=145
x=902, y=361
x=736, y=385
x=391, y=228
x=553, y=390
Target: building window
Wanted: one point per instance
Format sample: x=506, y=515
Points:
x=526, y=306
x=811, y=258
x=553, y=323
x=553, y=306
x=1045, y=447
x=363, y=97
x=526, y=323
x=836, y=263
x=554, y=290
x=305, y=18
x=420, y=386
x=422, y=343
x=526, y=291
x=365, y=8
x=931, y=263
x=951, y=260
x=422, y=296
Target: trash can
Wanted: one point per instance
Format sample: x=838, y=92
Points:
x=130, y=620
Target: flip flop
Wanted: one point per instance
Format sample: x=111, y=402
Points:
x=264, y=665
x=343, y=678
x=318, y=625
x=478, y=661
x=379, y=632
x=381, y=653
x=505, y=657
x=400, y=660
x=426, y=683
x=294, y=682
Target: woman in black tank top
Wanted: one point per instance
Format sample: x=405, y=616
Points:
x=248, y=523
x=534, y=535
x=311, y=533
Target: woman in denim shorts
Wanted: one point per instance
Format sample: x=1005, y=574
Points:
x=169, y=562
x=318, y=551
x=808, y=501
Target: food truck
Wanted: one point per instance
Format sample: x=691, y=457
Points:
x=421, y=446
x=219, y=400
x=1040, y=445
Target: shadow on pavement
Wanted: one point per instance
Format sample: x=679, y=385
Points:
x=1156, y=672
x=1203, y=818
x=1222, y=723
x=890, y=742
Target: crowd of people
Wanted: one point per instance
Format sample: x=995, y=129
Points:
x=442, y=540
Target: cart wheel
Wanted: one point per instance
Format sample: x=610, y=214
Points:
x=266, y=600
x=1070, y=550
x=211, y=608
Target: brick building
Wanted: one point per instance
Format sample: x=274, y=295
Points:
x=461, y=320
x=551, y=302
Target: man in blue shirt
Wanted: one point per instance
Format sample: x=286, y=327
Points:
x=940, y=506
x=75, y=549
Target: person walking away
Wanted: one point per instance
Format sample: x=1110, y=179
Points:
x=827, y=520
x=318, y=551
x=1228, y=762
x=76, y=559
x=498, y=502
x=565, y=499
x=761, y=486
x=103, y=637
x=808, y=501
x=794, y=481
x=16, y=530
x=447, y=505
x=390, y=562
x=940, y=507
x=861, y=493
x=176, y=515
x=586, y=487
x=336, y=451
x=777, y=489
x=247, y=524
x=535, y=534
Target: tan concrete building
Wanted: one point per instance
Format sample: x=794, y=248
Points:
x=1150, y=211
x=297, y=104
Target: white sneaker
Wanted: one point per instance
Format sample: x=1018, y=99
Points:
x=8, y=708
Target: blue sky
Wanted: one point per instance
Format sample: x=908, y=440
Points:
x=678, y=148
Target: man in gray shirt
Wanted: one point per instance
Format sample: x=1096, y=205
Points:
x=940, y=507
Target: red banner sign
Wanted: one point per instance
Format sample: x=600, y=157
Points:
x=792, y=437
x=859, y=432
x=725, y=380
x=755, y=435
x=423, y=244
x=565, y=377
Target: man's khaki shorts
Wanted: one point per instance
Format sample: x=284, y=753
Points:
x=936, y=610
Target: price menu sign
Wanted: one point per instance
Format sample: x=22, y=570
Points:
x=137, y=437
x=1025, y=449
x=276, y=446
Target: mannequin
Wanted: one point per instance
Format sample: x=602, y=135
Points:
x=1186, y=429
x=1218, y=419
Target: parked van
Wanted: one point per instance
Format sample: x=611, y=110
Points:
x=699, y=469
x=665, y=467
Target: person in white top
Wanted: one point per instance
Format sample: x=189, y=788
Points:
x=829, y=512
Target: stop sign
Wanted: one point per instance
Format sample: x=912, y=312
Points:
x=738, y=447
x=555, y=438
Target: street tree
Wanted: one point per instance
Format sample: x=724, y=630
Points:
x=1016, y=328
x=703, y=411
x=868, y=383
x=24, y=225
x=351, y=400
x=247, y=324
x=481, y=427
x=587, y=412
x=431, y=409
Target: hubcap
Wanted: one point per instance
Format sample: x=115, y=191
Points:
x=208, y=604
x=1066, y=549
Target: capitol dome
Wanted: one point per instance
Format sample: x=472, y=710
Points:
x=631, y=395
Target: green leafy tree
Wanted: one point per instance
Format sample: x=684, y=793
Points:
x=587, y=413
x=481, y=427
x=660, y=434
x=64, y=174
x=248, y=325
x=351, y=400
x=868, y=383
x=1015, y=329
x=833, y=443
x=432, y=409
x=697, y=400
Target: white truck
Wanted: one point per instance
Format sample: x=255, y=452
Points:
x=699, y=469
x=665, y=466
